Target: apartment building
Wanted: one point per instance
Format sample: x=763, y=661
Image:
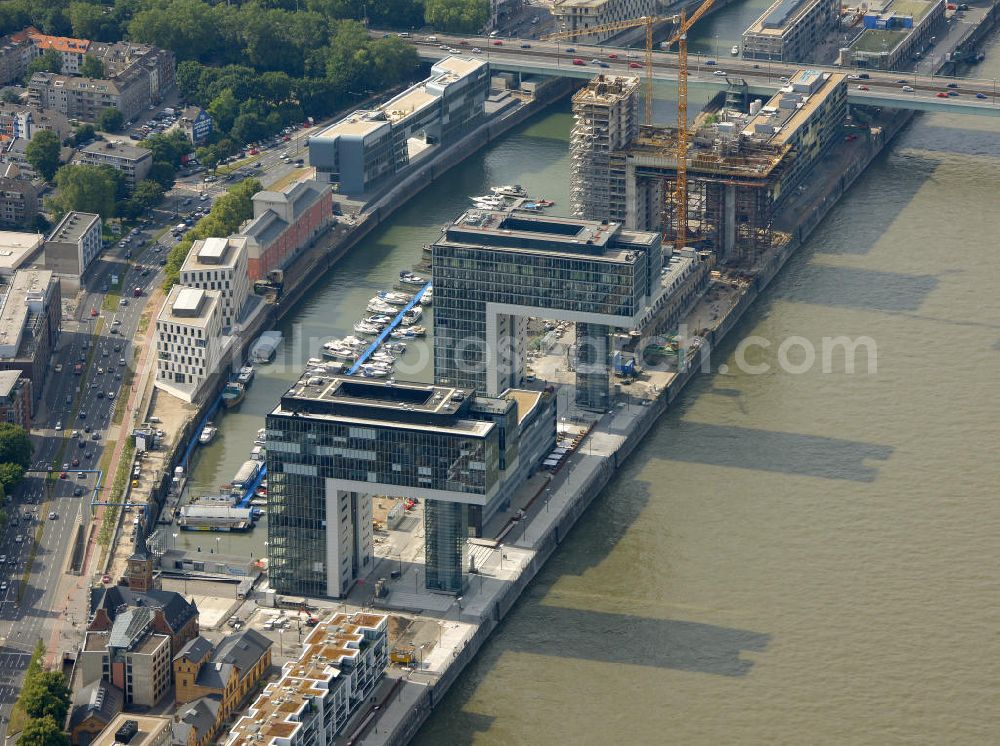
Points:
x=283, y=224
x=15, y=398
x=72, y=51
x=333, y=442
x=366, y=149
x=30, y=312
x=137, y=76
x=343, y=659
x=606, y=120
x=73, y=244
x=189, y=341
x=791, y=30
x=573, y=15
x=25, y=121
x=196, y=123
x=16, y=51
x=220, y=264
x=123, y=59
x=133, y=162
x=18, y=198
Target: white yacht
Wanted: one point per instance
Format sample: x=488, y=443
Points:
x=509, y=190
x=208, y=434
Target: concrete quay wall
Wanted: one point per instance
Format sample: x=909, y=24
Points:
x=599, y=472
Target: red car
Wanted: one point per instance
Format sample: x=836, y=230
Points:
x=863, y=88
x=63, y=475
x=464, y=43
x=942, y=94
x=634, y=65
x=93, y=311
x=498, y=43
x=578, y=61
x=612, y=56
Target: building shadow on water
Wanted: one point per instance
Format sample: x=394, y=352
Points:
x=842, y=233
x=765, y=450
x=850, y=287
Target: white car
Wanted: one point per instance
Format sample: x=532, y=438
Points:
x=719, y=73
x=59, y=426
x=477, y=50
x=52, y=515
x=907, y=89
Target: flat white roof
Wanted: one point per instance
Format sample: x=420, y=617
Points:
x=188, y=300
x=189, y=306
x=16, y=247
x=213, y=248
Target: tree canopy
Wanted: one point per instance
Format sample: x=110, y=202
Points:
x=46, y=695
x=42, y=732
x=86, y=188
x=15, y=445
x=43, y=153
x=461, y=16
x=92, y=67
x=110, y=120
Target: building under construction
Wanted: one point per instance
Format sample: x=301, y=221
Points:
x=606, y=114
x=740, y=164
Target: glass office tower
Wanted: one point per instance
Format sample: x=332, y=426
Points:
x=493, y=268
x=333, y=441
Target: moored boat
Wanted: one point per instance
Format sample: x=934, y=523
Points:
x=394, y=297
x=233, y=394
x=408, y=332
x=509, y=190
x=208, y=434
x=408, y=278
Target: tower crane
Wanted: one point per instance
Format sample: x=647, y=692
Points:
x=680, y=38
x=680, y=192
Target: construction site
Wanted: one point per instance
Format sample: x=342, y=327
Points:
x=742, y=160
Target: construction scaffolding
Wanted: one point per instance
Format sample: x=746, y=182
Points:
x=733, y=184
x=606, y=114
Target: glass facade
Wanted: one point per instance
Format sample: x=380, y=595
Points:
x=593, y=358
x=309, y=442
x=614, y=282
x=446, y=531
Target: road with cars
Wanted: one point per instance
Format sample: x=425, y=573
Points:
x=908, y=90
x=75, y=412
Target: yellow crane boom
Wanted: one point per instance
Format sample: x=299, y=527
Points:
x=648, y=22
x=680, y=38
x=680, y=191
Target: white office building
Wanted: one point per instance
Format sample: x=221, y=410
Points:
x=220, y=264
x=189, y=341
x=74, y=244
